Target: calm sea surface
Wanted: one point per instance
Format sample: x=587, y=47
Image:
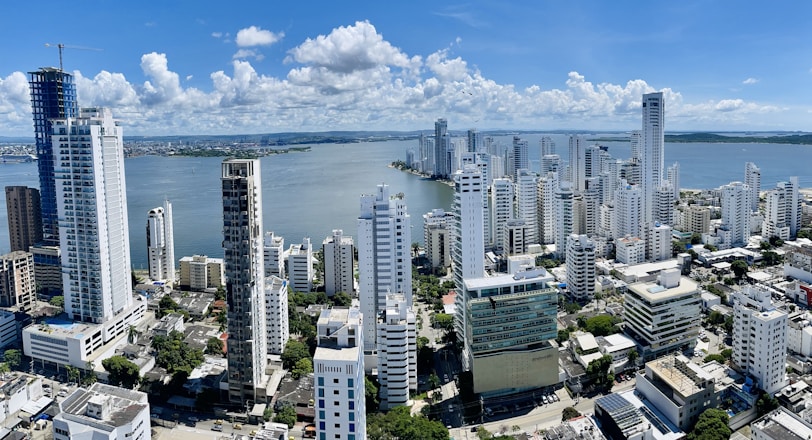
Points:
x=310, y=194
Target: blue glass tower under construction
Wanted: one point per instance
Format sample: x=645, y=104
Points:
x=53, y=96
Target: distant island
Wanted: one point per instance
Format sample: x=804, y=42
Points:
x=713, y=138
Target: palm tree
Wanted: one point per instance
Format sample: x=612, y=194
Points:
x=415, y=249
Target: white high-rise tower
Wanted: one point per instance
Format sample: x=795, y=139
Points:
x=547, y=187
x=521, y=158
x=92, y=211
x=501, y=210
x=526, y=203
x=752, y=178
x=653, y=152
x=735, y=227
x=160, y=244
x=563, y=218
x=384, y=250
x=782, y=211
x=245, y=278
x=760, y=338
x=577, y=163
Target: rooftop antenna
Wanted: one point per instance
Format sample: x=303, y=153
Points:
x=61, y=46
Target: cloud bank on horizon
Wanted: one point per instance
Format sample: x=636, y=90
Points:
x=354, y=79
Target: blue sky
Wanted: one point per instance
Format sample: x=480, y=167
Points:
x=186, y=67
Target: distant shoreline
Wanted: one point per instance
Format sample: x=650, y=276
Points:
x=712, y=138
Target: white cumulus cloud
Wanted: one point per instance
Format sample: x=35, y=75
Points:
x=255, y=36
x=749, y=81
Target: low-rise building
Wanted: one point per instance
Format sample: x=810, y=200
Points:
x=17, y=283
x=680, y=389
x=103, y=412
x=624, y=416
x=781, y=424
x=168, y=324
x=200, y=272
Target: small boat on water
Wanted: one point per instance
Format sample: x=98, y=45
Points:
x=17, y=158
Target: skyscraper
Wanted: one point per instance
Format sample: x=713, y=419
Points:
x=563, y=218
x=440, y=134
x=24, y=217
x=526, y=203
x=735, y=227
x=501, y=210
x=547, y=187
x=245, y=277
x=628, y=204
x=338, y=367
x=161, y=243
x=338, y=251
x=752, y=178
x=276, y=313
x=53, y=96
x=474, y=141
x=397, y=352
x=92, y=208
x=547, y=146
x=782, y=211
x=673, y=179
x=653, y=152
x=384, y=250
x=580, y=268
x=521, y=159
x=760, y=338
x=577, y=163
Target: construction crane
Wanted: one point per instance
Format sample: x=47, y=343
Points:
x=61, y=46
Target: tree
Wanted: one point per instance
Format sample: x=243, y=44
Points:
x=174, y=354
x=601, y=325
x=776, y=241
x=716, y=318
x=220, y=294
x=13, y=357
x=293, y=352
x=598, y=371
x=341, y=299
x=434, y=381
x=371, y=395
x=711, y=425
x=57, y=301
x=715, y=357
x=569, y=413
x=765, y=404
x=711, y=248
x=73, y=373
x=572, y=307
x=4, y=369
x=563, y=335
x=727, y=353
x=286, y=415
x=303, y=367
x=771, y=258
x=633, y=356
x=222, y=319
x=399, y=423
x=739, y=268
x=123, y=372
x=483, y=434
x=214, y=345
x=696, y=238
x=442, y=321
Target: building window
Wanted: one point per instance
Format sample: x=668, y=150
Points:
x=321, y=392
x=322, y=426
x=335, y=392
x=352, y=404
x=335, y=380
x=321, y=403
x=352, y=427
x=350, y=382
x=321, y=381
x=321, y=415
x=350, y=394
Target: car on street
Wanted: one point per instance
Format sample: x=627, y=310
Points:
x=217, y=427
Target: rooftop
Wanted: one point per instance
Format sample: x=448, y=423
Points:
x=782, y=424
x=654, y=292
x=539, y=275
x=337, y=354
x=125, y=404
x=680, y=374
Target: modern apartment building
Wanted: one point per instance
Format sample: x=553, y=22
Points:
x=563, y=218
x=24, y=217
x=521, y=158
x=580, y=268
x=502, y=191
x=437, y=238
x=339, y=256
x=17, y=283
x=274, y=254
x=338, y=367
x=735, y=228
x=200, y=272
x=276, y=312
x=547, y=187
x=300, y=266
x=161, y=244
x=782, y=211
x=397, y=352
x=630, y=250
x=526, y=203
x=663, y=316
x=245, y=278
x=384, y=256
x=752, y=178
x=760, y=338
x=653, y=152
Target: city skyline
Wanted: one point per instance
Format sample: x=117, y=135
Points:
x=218, y=70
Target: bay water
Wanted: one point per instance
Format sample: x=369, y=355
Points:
x=311, y=193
